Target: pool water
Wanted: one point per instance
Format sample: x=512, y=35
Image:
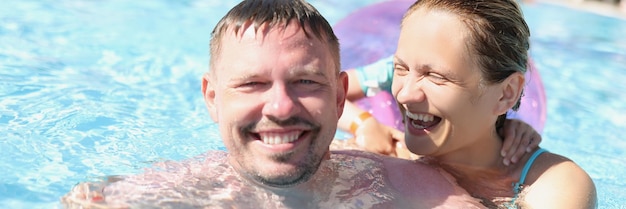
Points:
x=582, y=60
x=96, y=88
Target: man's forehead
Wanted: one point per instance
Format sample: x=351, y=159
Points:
x=280, y=30
x=266, y=42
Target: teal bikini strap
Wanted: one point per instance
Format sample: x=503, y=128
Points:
x=517, y=186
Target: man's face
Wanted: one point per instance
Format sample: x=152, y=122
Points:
x=277, y=96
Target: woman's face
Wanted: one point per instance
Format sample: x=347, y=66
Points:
x=438, y=86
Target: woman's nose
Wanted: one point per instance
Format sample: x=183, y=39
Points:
x=411, y=91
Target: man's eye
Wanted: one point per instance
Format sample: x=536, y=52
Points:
x=303, y=81
x=251, y=84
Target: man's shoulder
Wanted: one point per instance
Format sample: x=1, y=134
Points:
x=414, y=181
x=387, y=161
x=354, y=153
x=394, y=169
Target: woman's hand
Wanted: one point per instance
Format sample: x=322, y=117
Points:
x=376, y=137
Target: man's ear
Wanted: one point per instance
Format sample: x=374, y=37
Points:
x=342, y=92
x=511, y=92
x=208, y=92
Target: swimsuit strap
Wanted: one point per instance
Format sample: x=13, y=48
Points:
x=517, y=186
x=526, y=169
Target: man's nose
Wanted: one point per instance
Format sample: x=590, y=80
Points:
x=280, y=102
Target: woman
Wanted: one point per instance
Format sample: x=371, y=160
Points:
x=458, y=68
x=374, y=80
x=374, y=136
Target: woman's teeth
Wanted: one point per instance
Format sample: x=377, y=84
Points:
x=420, y=116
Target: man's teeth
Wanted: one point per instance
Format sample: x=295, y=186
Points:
x=421, y=117
x=274, y=138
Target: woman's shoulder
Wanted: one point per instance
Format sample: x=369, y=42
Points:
x=552, y=165
x=557, y=181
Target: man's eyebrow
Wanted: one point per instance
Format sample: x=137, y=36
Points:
x=306, y=70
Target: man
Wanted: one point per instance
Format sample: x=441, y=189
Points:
x=276, y=91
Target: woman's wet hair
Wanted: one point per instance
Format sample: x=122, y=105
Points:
x=275, y=13
x=498, y=36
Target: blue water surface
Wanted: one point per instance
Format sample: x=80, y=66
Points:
x=582, y=60
x=96, y=88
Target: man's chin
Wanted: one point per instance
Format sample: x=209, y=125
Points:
x=282, y=169
x=281, y=175
x=286, y=179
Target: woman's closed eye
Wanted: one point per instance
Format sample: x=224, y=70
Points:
x=436, y=78
x=398, y=70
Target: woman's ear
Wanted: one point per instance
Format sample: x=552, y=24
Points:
x=511, y=92
x=208, y=92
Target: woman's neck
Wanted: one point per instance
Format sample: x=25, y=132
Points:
x=479, y=168
x=481, y=153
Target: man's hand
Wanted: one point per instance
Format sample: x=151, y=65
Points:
x=519, y=139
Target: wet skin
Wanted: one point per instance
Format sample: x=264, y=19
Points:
x=271, y=92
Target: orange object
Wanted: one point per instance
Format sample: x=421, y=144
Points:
x=358, y=121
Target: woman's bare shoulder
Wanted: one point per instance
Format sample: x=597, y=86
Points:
x=558, y=182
